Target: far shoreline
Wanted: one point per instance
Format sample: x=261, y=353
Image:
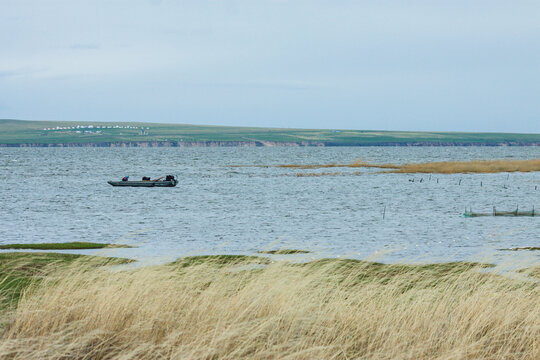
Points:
x=28, y=133
x=147, y=144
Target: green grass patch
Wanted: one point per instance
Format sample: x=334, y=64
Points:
x=19, y=270
x=356, y=272
x=62, y=246
x=220, y=260
x=284, y=252
x=351, y=271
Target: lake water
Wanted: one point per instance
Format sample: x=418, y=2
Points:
x=61, y=194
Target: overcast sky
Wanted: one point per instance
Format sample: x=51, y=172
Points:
x=393, y=65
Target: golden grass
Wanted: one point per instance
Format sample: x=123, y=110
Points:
x=354, y=164
x=324, y=173
x=478, y=166
x=318, y=174
x=322, y=310
x=443, y=167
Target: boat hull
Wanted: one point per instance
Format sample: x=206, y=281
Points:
x=165, y=183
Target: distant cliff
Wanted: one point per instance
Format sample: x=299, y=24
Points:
x=22, y=133
x=146, y=144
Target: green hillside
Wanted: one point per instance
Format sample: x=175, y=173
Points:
x=63, y=132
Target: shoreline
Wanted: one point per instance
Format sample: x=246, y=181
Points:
x=146, y=144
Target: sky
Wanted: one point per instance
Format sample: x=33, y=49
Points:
x=461, y=65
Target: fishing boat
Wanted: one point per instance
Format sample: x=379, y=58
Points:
x=170, y=181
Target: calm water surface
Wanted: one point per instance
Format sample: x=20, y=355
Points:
x=58, y=195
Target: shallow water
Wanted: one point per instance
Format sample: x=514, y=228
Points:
x=61, y=194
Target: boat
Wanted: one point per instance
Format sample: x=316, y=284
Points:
x=170, y=181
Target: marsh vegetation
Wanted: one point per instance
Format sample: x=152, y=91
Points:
x=283, y=252
x=206, y=308
x=74, y=245
x=441, y=167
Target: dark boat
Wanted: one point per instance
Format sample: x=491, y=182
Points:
x=169, y=181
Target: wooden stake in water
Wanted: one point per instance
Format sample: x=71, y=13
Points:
x=384, y=212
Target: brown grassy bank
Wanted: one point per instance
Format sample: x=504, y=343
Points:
x=320, y=174
x=323, y=310
x=443, y=167
x=354, y=164
x=478, y=166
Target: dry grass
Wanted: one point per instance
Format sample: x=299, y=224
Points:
x=478, y=166
x=322, y=310
x=354, y=164
x=318, y=174
x=324, y=173
x=443, y=167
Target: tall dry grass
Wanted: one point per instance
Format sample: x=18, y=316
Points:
x=324, y=310
x=443, y=167
x=354, y=164
x=324, y=173
x=478, y=166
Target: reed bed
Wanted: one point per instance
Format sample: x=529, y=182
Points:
x=318, y=174
x=321, y=310
x=354, y=164
x=478, y=166
x=325, y=173
x=443, y=167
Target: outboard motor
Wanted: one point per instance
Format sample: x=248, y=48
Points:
x=169, y=178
